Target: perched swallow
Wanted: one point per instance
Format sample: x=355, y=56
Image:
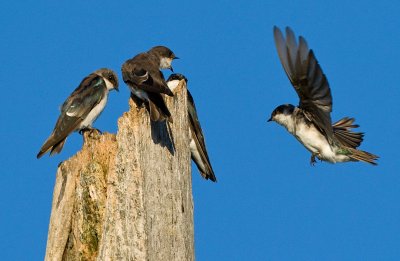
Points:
x=145, y=80
x=81, y=108
x=197, y=144
x=310, y=123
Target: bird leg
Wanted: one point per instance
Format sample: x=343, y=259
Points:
x=312, y=160
x=90, y=130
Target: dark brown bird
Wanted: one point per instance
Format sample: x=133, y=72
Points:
x=145, y=80
x=81, y=108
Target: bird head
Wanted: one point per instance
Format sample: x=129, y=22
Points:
x=165, y=55
x=282, y=113
x=110, y=78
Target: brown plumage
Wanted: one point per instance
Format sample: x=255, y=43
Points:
x=145, y=80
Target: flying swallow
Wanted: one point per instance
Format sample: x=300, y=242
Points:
x=198, y=148
x=145, y=80
x=81, y=108
x=310, y=122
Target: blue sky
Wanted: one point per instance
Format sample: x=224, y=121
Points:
x=269, y=203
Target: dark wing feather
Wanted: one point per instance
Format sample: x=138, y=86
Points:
x=342, y=130
x=198, y=137
x=156, y=84
x=84, y=98
x=307, y=78
x=74, y=110
x=163, y=112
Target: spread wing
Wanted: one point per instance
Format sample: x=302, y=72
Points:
x=198, y=137
x=75, y=109
x=143, y=73
x=307, y=78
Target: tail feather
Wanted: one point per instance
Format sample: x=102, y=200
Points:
x=342, y=131
x=360, y=155
x=153, y=110
x=203, y=165
x=200, y=157
x=51, y=145
x=57, y=147
x=208, y=175
x=158, y=108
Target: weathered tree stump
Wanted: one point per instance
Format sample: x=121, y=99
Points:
x=127, y=196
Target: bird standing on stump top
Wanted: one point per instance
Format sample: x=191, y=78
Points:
x=198, y=150
x=81, y=108
x=145, y=80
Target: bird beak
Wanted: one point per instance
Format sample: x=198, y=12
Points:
x=176, y=58
x=116, y=88
x=270, y=119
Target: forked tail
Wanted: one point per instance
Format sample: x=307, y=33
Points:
x=360, y=155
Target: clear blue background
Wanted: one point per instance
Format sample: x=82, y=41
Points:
x=269, y=203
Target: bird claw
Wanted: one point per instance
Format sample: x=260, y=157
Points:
x=90, y=130
x=99, y=131
x=312, y=160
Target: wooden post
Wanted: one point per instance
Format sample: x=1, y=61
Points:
x=127, y=196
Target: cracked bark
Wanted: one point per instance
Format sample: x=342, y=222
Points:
x=127, y=196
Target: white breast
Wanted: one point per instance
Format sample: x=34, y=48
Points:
x=94, y=113
x=173, y=84
x=315, y=142
x=165, y=63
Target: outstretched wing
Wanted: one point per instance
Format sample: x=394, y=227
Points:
x=144, y=74
x=307, y=78
x=75, y=109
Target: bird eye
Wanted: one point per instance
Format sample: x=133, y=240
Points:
x=110, y=77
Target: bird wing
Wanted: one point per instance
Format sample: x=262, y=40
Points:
x=198, y=137
x=307, y=78
x=77, y=106
x=143, y=73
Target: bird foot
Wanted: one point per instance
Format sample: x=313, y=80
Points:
x=312, y=160
x=91, y=131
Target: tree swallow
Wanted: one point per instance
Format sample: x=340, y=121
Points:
x=310, y=123
x=81, y=108
x=145, y=80
x=197, y=144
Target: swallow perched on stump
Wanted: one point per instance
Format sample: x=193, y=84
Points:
x=310, y=122
x=145, y=80
x=81, y=108
x=198, y=148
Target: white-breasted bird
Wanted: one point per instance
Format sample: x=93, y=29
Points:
x=81, y=108
x=198, y=150
x=310, y=122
